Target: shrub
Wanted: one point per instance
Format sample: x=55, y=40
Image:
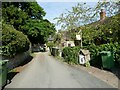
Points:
x=95, y=50
x=51, y=44
x=13, y=41
x=70, y=54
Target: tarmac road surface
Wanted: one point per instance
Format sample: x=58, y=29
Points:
x=46, y=72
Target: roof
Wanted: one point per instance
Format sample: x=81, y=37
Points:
x=104, y=21
x=85, y=52
x=65, y=35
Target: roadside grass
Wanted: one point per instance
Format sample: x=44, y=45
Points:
x=13, y=70
x=87, y=65
x=59, y=58
x=33, y=54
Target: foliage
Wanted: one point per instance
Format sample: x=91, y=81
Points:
x=112, y=7
x=87, y=64
x=16, y=13
x=13, y=41
x=72, y=19
x=50, y=44
x=70, y=54
x=82, y=14
x=79, y=15
x=38, y=31
x=95, y=52
x=57, y=39
x=28, y=18
x=106, y=31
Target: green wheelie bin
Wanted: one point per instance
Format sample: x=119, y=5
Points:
x=108, y=61
x=3, y=72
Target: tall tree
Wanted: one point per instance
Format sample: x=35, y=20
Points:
x=71, y=20
x=16, y=13
x=111, y=7
x=38, y=31
x=28, y=18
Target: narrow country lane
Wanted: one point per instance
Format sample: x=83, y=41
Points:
x=46, y=72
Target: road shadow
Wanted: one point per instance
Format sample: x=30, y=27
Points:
x=116, y=71
x=10, y=76
x=27, y=60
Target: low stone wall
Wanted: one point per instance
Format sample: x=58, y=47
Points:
x=17, y=60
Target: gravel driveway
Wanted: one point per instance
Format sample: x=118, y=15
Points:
x=46, y=72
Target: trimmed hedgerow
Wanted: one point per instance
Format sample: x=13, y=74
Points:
x=70, y=54
x=95, y=50
x=13, y=41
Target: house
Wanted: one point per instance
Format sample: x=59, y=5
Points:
x=105, y=24
x=66, y=41
x=68, y=44
x=98, y=39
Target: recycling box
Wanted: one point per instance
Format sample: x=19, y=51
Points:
x=3, y=72
x=107, y=59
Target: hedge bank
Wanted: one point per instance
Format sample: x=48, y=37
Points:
x=13, y=41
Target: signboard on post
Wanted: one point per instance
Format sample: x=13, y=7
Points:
x=78, y=37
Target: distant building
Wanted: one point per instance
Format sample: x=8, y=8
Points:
x=50, y=38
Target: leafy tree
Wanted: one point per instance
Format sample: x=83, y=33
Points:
x=16, y=13
x=78, y=16
x=38, y=31
x=57, y=39
x=111, y=7
x=81, y=15
x=107, y=31
x=28, y=18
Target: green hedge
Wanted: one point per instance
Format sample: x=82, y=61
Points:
x=95, y=50
x=70, y=54
x=13, y=41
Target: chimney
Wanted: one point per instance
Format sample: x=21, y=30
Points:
x=102, y=14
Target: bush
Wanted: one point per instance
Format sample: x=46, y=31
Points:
x=70, y=54
x=13, y=41
x=95, y=50
x=51, y=44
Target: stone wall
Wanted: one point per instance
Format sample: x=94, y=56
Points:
x=17, y=60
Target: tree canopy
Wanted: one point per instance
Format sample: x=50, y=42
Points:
x=38, y=31
x=81, y=15
x=27, y=17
